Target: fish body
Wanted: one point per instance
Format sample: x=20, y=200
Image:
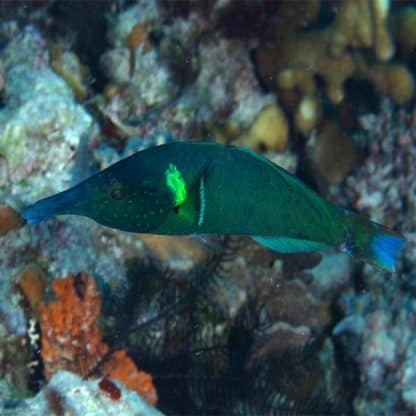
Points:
x=208, y=188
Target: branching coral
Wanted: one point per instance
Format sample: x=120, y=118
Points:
x=334, y=54
x=362, y=24
x=72, y=340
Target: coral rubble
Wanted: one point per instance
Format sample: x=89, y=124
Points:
x=67, y=393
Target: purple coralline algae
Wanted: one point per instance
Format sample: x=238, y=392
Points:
x=380, y=316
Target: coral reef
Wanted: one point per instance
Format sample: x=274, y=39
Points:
x=383, y=186
x=362, y=24
x=219, y=89
x=41, y=130
x=213, y=319
x=223, y=324
x=71, y=339
x=356, y=44
x=379, y=316
x=41, y=125
x=15, y=359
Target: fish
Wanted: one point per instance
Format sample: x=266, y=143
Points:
x=191, y=188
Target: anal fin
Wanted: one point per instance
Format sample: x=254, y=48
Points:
x=289, y=245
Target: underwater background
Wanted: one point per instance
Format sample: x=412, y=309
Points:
x=96, y=321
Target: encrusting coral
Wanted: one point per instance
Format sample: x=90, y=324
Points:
x=31, y=281
x=9, y=219
x=72, y=340
x=269, y=130
x=68, y=66
x=332, y=152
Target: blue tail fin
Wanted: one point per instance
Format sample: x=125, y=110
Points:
x=385, y=248
x=372, y=242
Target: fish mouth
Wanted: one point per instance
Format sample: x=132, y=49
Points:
x=59, y=204
x=31, y=215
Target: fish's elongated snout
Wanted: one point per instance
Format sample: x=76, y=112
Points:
x=58, y=204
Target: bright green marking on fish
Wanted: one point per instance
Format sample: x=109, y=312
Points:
x=202, y=202
x=176, y=184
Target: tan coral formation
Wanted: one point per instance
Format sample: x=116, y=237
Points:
x=356, y=45
x=32, y=281
x=67, y=64
x=362, y=24
x=270, y=130
x=174, y=252
x=331, y=152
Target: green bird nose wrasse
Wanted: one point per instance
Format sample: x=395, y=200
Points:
x=209, y=188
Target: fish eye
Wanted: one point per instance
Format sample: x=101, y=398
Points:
x=115, y=191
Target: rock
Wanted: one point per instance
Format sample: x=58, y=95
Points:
x=66, y=393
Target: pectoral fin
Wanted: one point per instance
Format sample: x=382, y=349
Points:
x=289, y=245
x=193, y=209
x=189, y=209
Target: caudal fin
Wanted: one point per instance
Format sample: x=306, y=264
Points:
x=373, y=242
x=385, y=247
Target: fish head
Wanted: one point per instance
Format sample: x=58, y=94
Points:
x=117, y=201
